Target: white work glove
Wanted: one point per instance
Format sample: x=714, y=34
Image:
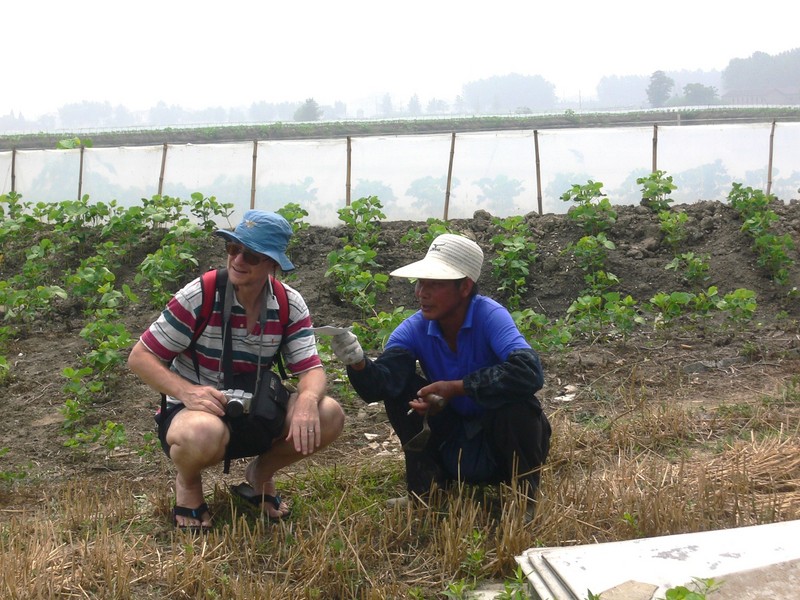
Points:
x=346, y=348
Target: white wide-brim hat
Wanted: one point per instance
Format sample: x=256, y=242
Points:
x=450, y=256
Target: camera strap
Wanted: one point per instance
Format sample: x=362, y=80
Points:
x=226, y=362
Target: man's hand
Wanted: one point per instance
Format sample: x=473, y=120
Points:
x=204, y=398
x=346, y=348
x=304, y=424
x=432, y=398
x=430, y=404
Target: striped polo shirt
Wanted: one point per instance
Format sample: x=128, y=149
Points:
x=170, y=335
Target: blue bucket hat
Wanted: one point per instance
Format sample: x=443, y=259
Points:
x=263, y=232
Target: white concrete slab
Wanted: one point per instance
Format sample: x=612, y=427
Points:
x=566, y=573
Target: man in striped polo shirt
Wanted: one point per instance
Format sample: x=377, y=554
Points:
x=194, y=429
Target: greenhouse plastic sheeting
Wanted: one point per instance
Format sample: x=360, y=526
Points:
x=493, y=171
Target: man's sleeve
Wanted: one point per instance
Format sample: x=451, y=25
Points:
x=516, y=379
x=385, y=378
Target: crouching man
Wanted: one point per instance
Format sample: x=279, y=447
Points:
x=478, y=393
x=235, y=350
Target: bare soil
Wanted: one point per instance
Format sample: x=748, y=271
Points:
x=697, y=362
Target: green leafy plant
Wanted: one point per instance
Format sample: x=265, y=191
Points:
x=88, y=278
x=632, y=521
x=591, y=252
x=163, y=269
x=540, y=332
x=109, y=339
x=514, y=588
x=747, y=201
x=458, y=590
x=362, y=219
x=476, y=554
x=593, y=313
x=694, y=267
x=295, y=215
x=673, y=226
x=207, y=208
x=5, y=370
x=773, y=250
x=773, y=255
x=10, y=475
x=759, y=223
x=27, y=305
x=377, y=329
x=672, y=305
x=162, y=211
x=515, y=251
x=420, y=240
x=705, y=302
x=73, y=412
x=740, y=304
x=622, y=313
x=14, y=206
x=656, y=188
x=702, y=588
x=110, y=435
x=592, y=209
x=81, y=384
x=350, y=268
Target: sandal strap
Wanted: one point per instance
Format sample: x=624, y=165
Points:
x=192, y=513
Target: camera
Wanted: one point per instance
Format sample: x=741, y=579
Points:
x=238, y=402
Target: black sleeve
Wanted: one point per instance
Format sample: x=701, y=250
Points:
x=518, y=378
x=387, y=377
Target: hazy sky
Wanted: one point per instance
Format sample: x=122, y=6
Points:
x=202, y=54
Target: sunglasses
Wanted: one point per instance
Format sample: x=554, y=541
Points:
x=251, y=258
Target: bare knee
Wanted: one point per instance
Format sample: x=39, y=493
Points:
x=197, y=437
x=331, y=418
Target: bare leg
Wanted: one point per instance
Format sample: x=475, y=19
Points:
x=260, y=473
x=197, y=440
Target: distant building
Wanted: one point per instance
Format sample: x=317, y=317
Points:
x=770, y=96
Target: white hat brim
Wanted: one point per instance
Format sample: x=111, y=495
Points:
x=428, y=268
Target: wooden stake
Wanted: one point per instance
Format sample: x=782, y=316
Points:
x=253, y=175
x=769, y=165
x=538, y=170
x=349, y=165
x=163, y=167
x=449, y=176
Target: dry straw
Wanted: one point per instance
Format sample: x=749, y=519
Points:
x=622, y=466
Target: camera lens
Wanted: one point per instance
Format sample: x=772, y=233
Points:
x=234, y=408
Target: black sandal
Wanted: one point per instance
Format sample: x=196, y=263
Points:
x=246, y=492
x=190, y=513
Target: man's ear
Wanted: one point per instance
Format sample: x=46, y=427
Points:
x=466, y=287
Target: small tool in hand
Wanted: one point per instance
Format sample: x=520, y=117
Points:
x=419, y=441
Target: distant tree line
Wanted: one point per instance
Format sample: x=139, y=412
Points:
x=752, y=77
